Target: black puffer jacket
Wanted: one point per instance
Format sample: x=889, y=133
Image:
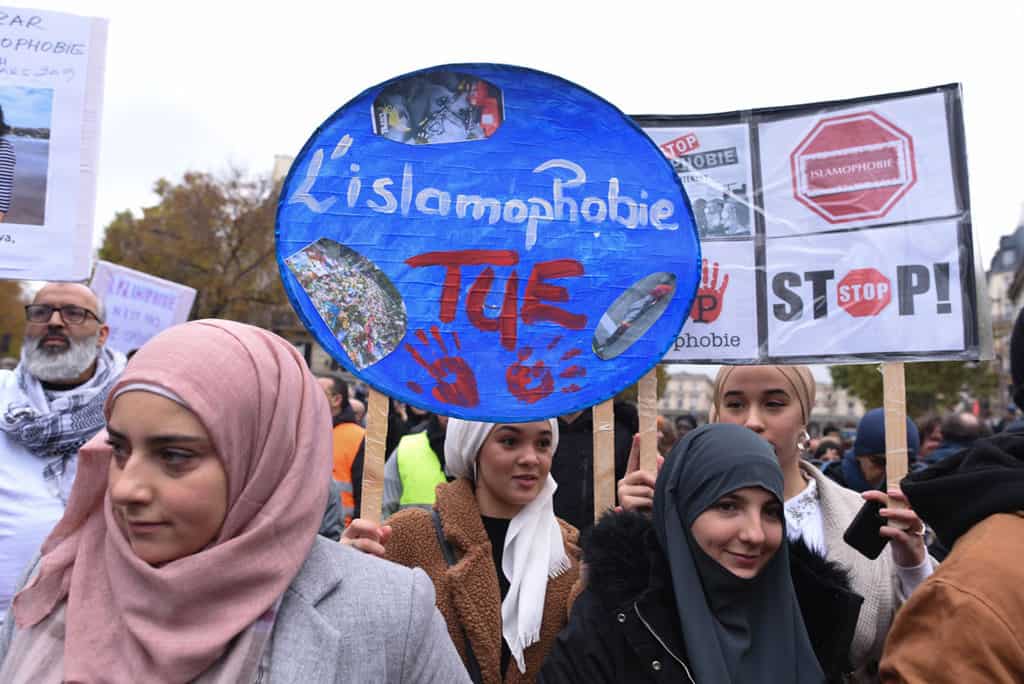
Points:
x=624, y=626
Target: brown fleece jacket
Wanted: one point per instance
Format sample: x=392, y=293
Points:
x=467, y=592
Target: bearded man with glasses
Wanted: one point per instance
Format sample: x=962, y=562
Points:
x=50, y=404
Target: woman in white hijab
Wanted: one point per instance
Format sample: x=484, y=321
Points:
x=502, y=564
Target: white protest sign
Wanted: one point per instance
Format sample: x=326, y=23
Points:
x=139, y=305
x=51, y=94
x=723, y=321
x=867, y=164
x=856, y=292
x=859, y=244
x=714, y=164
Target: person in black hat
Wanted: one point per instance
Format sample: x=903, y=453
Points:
x=863, y=466
x=964, y=623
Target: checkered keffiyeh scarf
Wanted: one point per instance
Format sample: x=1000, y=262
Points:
x=54, y=425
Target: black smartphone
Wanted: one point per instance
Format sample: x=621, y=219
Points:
x=862, y=534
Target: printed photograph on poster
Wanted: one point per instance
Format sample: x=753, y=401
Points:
x=359, y=304
x=51, y=97
x=25, y=116
x=632, y=314
x=713, y=163
x=888, y=290
x=438, y=107
x=722, y=325
x=860, y=165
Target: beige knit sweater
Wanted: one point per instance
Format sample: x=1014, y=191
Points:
x=875, y=580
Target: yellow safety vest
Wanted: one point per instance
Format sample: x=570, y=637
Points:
x=419, y=470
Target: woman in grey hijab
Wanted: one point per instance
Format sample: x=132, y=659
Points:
x=715, y=602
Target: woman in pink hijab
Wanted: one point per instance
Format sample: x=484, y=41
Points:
x=189, y=551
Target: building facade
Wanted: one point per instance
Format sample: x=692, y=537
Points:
x=1005, y=286
x=692, y=393
x=686, y=393
x=835, y=406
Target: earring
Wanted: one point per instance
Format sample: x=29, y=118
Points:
x=803, y=441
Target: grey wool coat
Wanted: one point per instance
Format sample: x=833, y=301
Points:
x=350, y=617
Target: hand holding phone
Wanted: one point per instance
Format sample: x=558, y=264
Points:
x=862, y=534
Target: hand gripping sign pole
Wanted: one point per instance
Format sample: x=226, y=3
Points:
x=604, y=441
x=894, y=399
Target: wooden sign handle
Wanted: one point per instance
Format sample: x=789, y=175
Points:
x=373, y=464
x=647, y=401
x=894, y=401
x=604, y=457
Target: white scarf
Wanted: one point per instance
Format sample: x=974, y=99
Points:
x=534, y=550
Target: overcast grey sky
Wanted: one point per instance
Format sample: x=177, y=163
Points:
x=199, y=85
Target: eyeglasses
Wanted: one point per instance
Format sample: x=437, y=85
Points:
x=69, y=313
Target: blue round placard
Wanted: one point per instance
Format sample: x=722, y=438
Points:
x=488, y=242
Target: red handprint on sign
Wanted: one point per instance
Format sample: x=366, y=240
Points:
x=529, y=383
x=707, y=305
x=456, y=383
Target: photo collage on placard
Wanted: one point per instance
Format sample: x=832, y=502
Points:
x=358, y=303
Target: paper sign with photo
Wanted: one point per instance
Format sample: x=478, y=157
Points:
x=713, y=162
x=51, y=89
x=859, y=208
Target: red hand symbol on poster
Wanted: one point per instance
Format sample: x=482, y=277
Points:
x=707, y=304
x=531, y=383
x=456, y=383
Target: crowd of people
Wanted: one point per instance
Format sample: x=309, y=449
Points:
x=176, y=518
x=358, y=304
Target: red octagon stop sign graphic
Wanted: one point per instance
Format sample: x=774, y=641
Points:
x=864, y=292
x=853, y=167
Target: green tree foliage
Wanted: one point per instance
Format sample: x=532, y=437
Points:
x=213, y=233
x=12, y=317
x=932, y=386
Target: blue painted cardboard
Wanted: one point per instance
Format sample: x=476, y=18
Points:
x=488, y=242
